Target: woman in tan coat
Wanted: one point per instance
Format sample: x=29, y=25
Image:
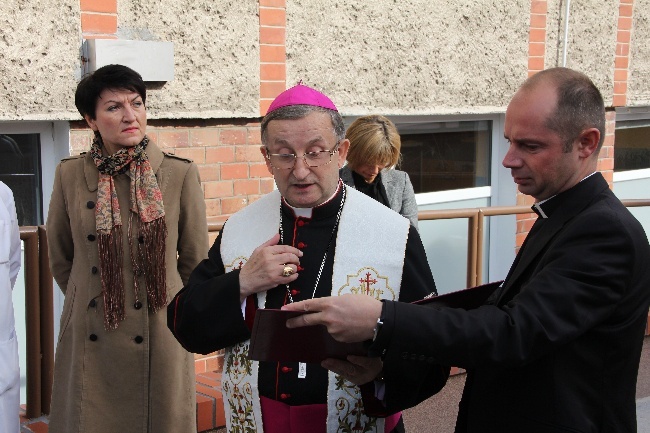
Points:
x=126, y=227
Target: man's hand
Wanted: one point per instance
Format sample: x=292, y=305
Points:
x=357, y=369
x=263, y=270
x=348, y=318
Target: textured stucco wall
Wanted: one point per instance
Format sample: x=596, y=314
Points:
x=639, y=77
x=39, y=54
x=412, y=57
x=591, y=43
x=395, y=57
x=216, y=55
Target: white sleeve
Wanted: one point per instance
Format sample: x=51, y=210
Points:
x=15, y=254
x=14, y=238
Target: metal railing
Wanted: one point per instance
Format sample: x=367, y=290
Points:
x=476, y=229
x=39, y=290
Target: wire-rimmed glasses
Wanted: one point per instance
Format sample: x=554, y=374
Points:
x=286, y=161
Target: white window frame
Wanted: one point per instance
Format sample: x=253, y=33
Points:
x=55, y=145
x=54, y=140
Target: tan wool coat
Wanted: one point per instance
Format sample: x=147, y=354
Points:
x=136, y=378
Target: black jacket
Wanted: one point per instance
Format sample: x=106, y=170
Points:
x=557, y=348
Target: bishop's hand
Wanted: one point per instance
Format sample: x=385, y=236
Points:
x=268, y=267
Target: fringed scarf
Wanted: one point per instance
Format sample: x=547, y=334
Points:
x=146, y=202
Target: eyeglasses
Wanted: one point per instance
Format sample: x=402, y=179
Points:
x=286, y=161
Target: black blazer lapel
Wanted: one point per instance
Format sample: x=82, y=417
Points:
x=569, y=203
x=528, y=255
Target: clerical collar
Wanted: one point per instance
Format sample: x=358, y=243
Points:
x=548, y=208
x=306, y=212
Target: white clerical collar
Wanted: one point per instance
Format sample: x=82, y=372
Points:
x=305, y=212
x=538, y=204
x=589, y=175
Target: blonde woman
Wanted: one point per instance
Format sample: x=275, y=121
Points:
x=374, y=152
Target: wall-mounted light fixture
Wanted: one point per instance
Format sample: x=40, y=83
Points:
x=153, y=60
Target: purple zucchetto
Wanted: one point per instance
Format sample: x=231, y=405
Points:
x=301, y=95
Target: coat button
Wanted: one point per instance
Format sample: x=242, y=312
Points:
x=137, y=305
x=92, y=303
x=300, y=268
x=93, y=337
x=139, y=339
x=301, y=245
x=94, y=269
x=285, y=396
x=301, y=223
x=90, y=204
x=295, y=292
x=91, y=237
x=286, y=369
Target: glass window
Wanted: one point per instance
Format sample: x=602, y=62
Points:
x=20, y=169
x=632, y=145
x=447, y=155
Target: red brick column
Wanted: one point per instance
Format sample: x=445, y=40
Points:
x=622, y=58
x=537, y=36
x=98, y=19
x=606, y=155
x=273, y=21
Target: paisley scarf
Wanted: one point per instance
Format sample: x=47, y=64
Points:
x=148, y=251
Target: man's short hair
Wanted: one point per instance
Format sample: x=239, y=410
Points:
x=291, y=112
x=579, y=104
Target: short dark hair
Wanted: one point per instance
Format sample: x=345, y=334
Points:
x=298, y=112
x=579, y=104
x=115, y=77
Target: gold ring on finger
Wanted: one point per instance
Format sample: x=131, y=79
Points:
x=287, y=271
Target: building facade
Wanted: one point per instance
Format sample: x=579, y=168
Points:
x=443, y=71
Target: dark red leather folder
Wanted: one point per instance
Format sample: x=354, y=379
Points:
x=271, y=340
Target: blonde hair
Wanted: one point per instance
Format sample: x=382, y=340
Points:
x=373, y=140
